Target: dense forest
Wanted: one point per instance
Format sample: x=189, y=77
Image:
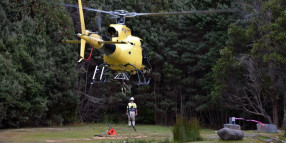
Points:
x=205, y=66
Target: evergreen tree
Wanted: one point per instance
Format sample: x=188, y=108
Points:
x=37, y=71
x=257, y=45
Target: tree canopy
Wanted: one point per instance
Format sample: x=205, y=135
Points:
x=208, y=66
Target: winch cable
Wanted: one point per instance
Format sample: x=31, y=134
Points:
x=123, y=89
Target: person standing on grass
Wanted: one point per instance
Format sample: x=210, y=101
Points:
x=131, y=112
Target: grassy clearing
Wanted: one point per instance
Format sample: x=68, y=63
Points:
x=84, y=133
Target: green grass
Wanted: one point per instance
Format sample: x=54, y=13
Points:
x=84, y=133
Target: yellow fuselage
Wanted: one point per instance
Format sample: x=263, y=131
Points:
x=119, y=57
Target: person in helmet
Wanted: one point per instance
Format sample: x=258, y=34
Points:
x=131, y=112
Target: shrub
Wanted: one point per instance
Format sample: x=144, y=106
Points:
x=186, y=130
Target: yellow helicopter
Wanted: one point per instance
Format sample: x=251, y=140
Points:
x=122, y=51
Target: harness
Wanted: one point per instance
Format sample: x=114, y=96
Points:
x=131, y=107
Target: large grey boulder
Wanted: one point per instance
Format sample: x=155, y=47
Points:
x=230, y=134
x=232, y=126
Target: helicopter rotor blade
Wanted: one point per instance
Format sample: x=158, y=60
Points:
x=184, y=12
x=87, y=8
x=133, y=14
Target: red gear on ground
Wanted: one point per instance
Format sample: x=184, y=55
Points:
x=112, y=132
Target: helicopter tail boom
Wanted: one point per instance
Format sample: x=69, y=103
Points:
x=93, y=39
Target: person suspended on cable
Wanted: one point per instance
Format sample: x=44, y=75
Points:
x=131, y=112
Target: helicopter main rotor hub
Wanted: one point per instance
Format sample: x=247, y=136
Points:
x=121, y=14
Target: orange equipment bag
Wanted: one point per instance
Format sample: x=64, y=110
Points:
x=112, y=132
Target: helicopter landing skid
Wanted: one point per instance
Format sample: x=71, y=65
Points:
x=138, y=72
x=122, y=75
x=102, y=77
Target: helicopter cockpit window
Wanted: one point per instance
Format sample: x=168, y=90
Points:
x=112, y=32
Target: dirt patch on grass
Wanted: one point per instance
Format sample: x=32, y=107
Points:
x=95, y=138
x=24, y=130
x=68, y=140
x=139, y=137
x=56, y=129
x=40, y=129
